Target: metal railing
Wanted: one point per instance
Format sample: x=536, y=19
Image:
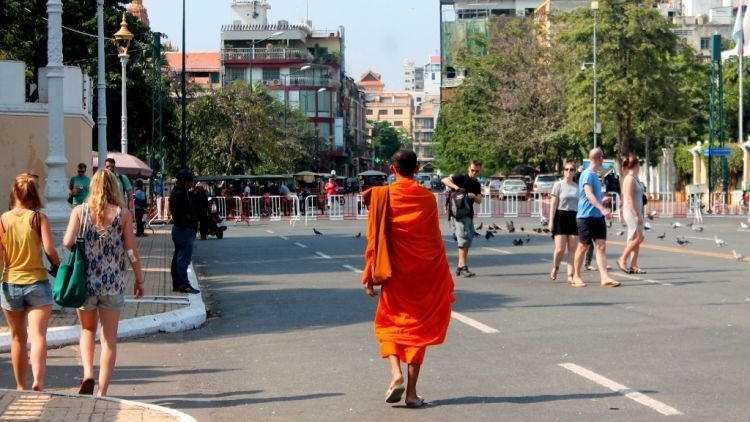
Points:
x=264, y=53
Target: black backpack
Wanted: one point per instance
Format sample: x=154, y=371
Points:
x=458, y=204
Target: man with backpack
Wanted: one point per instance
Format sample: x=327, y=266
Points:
x=465, y=192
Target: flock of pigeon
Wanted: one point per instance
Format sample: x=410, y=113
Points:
x=493, y=229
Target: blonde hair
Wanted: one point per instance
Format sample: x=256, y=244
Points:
x=103, y=190
x=26, y=191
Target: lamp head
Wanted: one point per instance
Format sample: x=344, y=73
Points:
x=123, y=37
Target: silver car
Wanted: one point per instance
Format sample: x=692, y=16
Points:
x=544, y=182
x=515, y=187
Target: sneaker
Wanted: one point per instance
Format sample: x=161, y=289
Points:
x=458, y=271
x=466, y=273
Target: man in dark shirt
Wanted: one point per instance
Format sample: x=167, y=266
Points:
x=183, y=231
x=464, y=227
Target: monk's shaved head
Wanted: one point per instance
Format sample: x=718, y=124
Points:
x=405, y=162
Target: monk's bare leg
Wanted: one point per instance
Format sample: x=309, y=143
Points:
x=397, y=378
x=411, y=383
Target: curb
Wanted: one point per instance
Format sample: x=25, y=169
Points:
x=182, y=417
x=183, y=319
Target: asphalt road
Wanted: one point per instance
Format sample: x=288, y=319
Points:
x=290, y=335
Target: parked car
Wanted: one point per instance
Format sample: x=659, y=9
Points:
x=544, y=182
x=492, y=187
x=515, y=187
x=424, y=179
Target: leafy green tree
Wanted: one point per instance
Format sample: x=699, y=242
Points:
x=387, y=139
x=509, y=105
x=647, y=80
x=24, y=37
x=236, y=131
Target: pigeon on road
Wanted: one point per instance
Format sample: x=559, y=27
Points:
x=517, y=242
x=696, y=228
x=543, y=221
x=743, y=225
x=489, y=235
x=317, y=233
x=647, y=226
x=609, y=224
x=676, y=224
x=719, y=242
x=510, y=226
x=651, y=215
x=358, y=235
x=738, y=256
x=662, y=236
x=479, y=227
x=620, y=232
x=682, y=241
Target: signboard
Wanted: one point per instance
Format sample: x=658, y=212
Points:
x=717, y=152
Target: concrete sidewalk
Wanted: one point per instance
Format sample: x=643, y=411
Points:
x=44, y=406
x=160, y=310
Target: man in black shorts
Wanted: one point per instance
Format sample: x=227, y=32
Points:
x=591, y=217
x=464, y=227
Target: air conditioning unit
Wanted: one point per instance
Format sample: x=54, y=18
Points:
x=277, y=82
x=267, y=82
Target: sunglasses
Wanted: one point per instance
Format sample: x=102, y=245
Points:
x=569, y=169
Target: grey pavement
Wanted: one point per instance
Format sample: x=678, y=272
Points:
x=160, y=310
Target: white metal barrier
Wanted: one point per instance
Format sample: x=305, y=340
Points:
x=718, y=203
x=221, y=206
x=694, y=207
x=361, y=208
x=614, y=205
x=235, y=209
x=666, y=204
x=485, y=207
x=310, y=203
x=162, y=211
x=537, y=208
x=253, y=208
x=511, y=205
x=336, y=207
x=294, y=208
x=276, y=210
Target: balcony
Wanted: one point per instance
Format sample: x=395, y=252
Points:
x=265, y=54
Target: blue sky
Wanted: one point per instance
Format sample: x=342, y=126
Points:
x=380, y=34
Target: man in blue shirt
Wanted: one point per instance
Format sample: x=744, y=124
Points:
x=592, y=213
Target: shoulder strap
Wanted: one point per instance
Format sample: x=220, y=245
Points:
x=83, y=222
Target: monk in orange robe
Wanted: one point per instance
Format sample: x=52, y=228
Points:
x=405, y=255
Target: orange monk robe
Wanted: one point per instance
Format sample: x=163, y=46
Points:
x=414, y=309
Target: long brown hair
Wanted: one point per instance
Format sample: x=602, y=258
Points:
x=103, y=190
x=26, y=191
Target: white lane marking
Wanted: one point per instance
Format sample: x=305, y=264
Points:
x=322, y=255
x=502, y=251
x=350, y=268
x=621, y=389
x=269, y=231
x=473, y=323
x=300, y=245
x=283, y=237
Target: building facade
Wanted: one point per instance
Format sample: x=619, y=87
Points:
x=303, y=68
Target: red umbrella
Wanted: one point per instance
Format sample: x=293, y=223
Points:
x=126, y=164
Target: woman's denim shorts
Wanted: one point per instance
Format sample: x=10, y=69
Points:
x=108, y=303
x=18, y=297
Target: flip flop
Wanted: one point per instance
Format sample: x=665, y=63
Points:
x=623, y=269
x=574, y=284
x=393, y=394
x=611, y=283
x=417, y=404
x=87, y=387
x=638, y=271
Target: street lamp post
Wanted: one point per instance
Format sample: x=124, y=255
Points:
x=123, y=37
x=101, y=113
x=597, y=128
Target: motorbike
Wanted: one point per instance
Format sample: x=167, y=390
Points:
x=212, y=224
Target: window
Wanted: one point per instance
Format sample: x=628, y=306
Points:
x=324, y=104
x=398, y=111
x=427, y=152
x=271, y=73
x=368, y=112
x=214, y=77
x=233, y=74
x=382, y=112
x=705, y=43
x=398, y=123
x=427, y=124
x=307, y=102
